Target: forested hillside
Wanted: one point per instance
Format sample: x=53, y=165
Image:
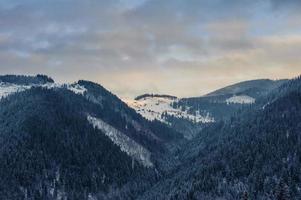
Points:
x=80, y=141
x=50, y=149
x=256, y=155
x=26, y=80
x=225, y=102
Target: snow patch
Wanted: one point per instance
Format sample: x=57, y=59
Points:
x=77, y=89
x=126, y=144
x=242, y=99
x=153, y=108
x=7, y=88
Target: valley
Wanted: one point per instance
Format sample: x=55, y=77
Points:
x=80, y=141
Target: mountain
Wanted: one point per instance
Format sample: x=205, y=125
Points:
x=224, y=102
x=160, y=107
x=190, y=115
x=74, y=141
x=80, y=141
x=253, y=88
x=254, y=155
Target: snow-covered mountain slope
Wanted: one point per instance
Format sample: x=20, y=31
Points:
x=241, y=99
x=76, y=88
x=202, y=109
x=157, y=107
x=10, y=88
x=126, y=144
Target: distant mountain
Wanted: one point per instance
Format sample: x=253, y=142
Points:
x=190, y=115
x=164, y=96
x=74, y=141
x=224, y=103
x=253, y=88
x=254, y=155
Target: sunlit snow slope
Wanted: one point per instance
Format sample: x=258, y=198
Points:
x=154, y=107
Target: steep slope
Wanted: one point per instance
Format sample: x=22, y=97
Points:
x=50, y=151
x=76, y=141
x=151, y=134
x=256, y=155
x=126, y=144
x=107, y=102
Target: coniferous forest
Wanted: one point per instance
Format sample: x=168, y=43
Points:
x=51, y=150
x=150, y=100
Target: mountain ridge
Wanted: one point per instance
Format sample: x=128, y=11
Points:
x=80, y=141
x=255, y=155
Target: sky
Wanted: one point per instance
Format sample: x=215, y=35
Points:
x=178, y=47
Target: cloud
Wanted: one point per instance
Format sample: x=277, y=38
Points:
x=279, y=4
x=185, y=48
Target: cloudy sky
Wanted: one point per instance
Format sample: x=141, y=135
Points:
x=178, y=47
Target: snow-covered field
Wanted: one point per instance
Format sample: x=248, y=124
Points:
x=153, y=108
x=126, y=144
x=242, y=99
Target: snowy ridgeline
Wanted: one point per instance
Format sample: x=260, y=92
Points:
x=7, y=88
x=125, y=143
x=153, y=108
x=242, y=99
